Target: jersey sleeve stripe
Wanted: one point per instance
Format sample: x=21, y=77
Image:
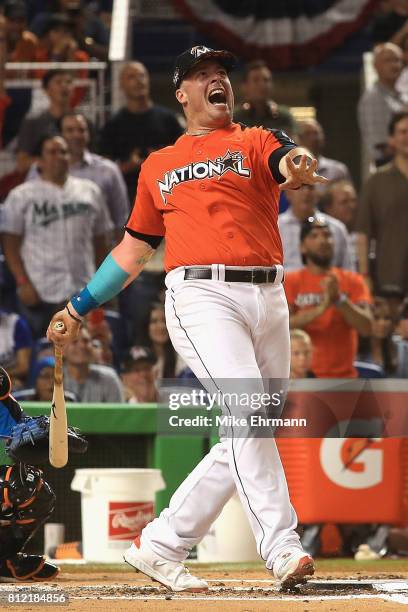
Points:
x=154, y=241
x=274, y=160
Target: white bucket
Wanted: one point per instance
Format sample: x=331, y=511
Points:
x=116, y=503
x=229, y=538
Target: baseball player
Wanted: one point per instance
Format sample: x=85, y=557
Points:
x=214, y=194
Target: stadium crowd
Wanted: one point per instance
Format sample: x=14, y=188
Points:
x=68, y=196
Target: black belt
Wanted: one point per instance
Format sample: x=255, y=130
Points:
x=256, y=276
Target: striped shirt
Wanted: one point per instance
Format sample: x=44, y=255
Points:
x=106, y=174
x=57, y=225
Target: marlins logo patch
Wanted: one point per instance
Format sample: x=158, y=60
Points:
x=230, y=162
x=199, y=50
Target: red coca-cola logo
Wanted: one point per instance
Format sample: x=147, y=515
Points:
x=127, y=519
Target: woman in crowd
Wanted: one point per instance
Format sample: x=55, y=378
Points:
x=379, y=348
x=159, y=341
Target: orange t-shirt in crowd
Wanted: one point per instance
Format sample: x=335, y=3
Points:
x=334, y=340
x=214, y=197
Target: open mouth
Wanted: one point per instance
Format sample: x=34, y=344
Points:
x=217, y=97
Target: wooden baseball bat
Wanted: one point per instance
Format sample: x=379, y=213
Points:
x=58, y=449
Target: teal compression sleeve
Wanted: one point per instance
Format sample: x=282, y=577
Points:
x=107, y=282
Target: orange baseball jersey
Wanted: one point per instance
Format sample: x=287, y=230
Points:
x=334, y=341
x=215, y=197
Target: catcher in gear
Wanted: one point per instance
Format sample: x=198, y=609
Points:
x=26, y=499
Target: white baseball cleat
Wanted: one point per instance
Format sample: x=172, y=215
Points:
x=293, y=567
x=172, y=574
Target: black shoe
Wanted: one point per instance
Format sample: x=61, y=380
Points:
x=23, y=567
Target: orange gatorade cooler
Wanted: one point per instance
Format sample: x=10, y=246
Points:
x=347, y=480
x=336, y=474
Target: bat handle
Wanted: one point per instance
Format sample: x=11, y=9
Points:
x=58, y=372
x=58, y=326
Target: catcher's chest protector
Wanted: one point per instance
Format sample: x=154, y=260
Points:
x=27, y=500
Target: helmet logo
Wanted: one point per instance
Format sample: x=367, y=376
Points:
x=200, y=50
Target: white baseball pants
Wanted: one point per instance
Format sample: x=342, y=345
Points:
x=225, y=331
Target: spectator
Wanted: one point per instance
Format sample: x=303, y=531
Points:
x=42, y=348
x=87, y=381
x=402, y=343
x=383, y=214
x=340, y=201
x=402, y=84
x=379, y=348
x=57, y=42
x=378, y=103
x=16, y=45
x=11, y=114
x=35, y=7
x=394, y=296
x=91, y=35
x=87, y=165
x=329, y=303
x=43, y=384
x=391, y=23
x=159, y=341
x=43, y=380
x=311, y=135
x=54, y=231
x=15, y=346
x=101, y=335
x=58, y=85
x=138, y=375
x=136, y=300
x=258, y=107
x=14, y=104
x=8, y=295
x=138, y=128
x=104, y=9
x=301, y=354
x=303, y=204
x=21, y=44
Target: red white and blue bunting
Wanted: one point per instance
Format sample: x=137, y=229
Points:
x=285, y=33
